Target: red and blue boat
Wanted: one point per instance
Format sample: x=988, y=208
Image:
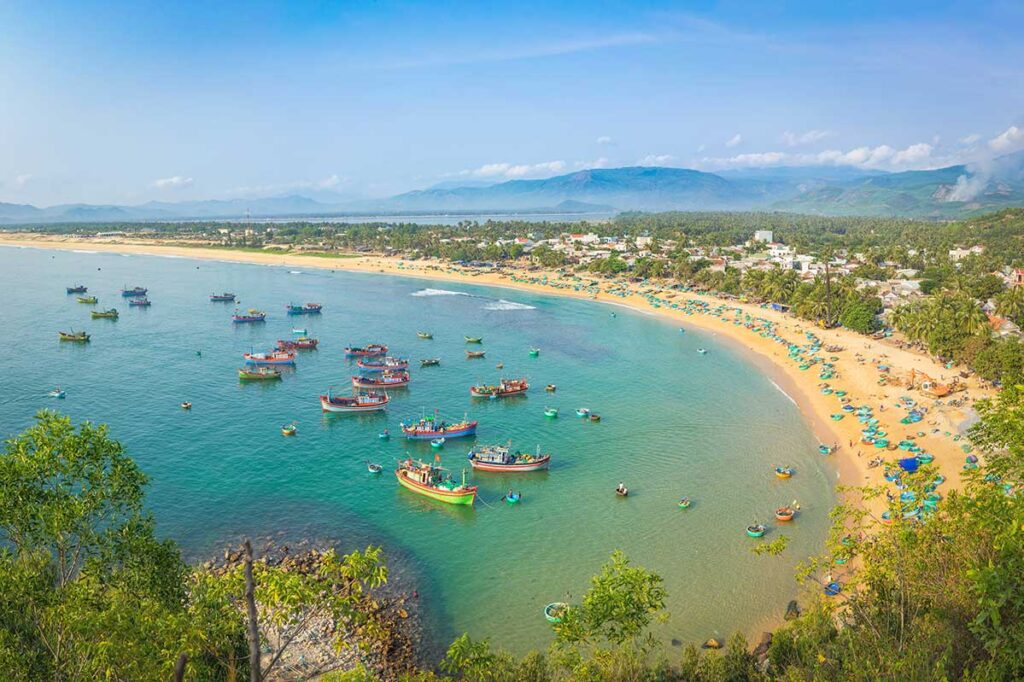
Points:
x=503, y=388
x=133, y=292
x=301, y=343
x=252, y=315
x=388, y=364
x=308, y=309
x=429, y=428
x=383, y=380
x=500, y=458
x=359, y=402
x=370, y=351
x=223, y=298
x=277, y=357
x=140, y=302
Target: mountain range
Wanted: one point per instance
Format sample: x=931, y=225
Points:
x=949, y=192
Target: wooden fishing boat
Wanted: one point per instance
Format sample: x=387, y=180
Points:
x=504, y=388
x=425, y=335
x=474, y=339
x=550, y=411
x=139, y=303
x=252, y=315
x=429, y=428
x=58, y=393
x=77, y=289
x=783, y=472
x=373, y=468
x=360, y=402
x=582, y=412
x=475, y=353
x=430, y=362
x=222, y=298
x=621, y=490
x=387, y=364
x=785, y=513
x=550, y=388
x=500, y=459
x=289, y=429
x=385, y=379
x=433, y=482
x=372, y=350
x=756, y=530
x=105, y=314
x=555, y=611
x=307, y=309
x=89, y=300
x=277, y=357
x=301, y=343
x=76, y=337
x=259, y=374
x=594, y=417
x=133, y=292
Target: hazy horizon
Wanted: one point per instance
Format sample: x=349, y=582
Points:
x=127, y=103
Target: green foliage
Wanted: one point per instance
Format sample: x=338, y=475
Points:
x=943, y=322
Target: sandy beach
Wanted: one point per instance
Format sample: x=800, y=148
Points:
x=856, y=367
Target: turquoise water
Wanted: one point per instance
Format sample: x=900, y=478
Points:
x=674, y=423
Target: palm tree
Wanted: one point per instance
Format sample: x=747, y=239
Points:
x=1010, y=304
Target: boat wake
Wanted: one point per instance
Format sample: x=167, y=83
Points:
x=502, y=304
x=438, y=292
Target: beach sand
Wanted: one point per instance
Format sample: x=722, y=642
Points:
x=856, y=369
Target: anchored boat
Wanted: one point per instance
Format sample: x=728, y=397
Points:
x=222, y=298
x=139, y=302
x=434, y=482
x=429, y=428
x=474, y=339
x=430, y=362
x=500, y=458
x=503, y=388
x=372, y=350
x=252, y=315
x=77, y=337
x=360, y=402
x=133, y=292
x=387, y=364
x=89, y=300
x=385, y=379
x=301, y=343
x=276, y=357
x=107, y=314
x=425, y=335
x=475, y=353
x=308, y=309
x=259, y=374
x=77, y=289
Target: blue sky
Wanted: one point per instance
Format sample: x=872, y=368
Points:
x=130, y=102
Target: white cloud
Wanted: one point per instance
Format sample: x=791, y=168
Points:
x=22, y=180
x=1010, y=138
x=809, y=137
x=511, y=171
x=600, y=162
x=174, y=182
x=913, y=155
x=970, y=139
x=734, y=141
x=604, y=139
x=655, y=160
x=328, y=182
x=882, y=157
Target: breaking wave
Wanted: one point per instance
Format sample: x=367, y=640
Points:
x=502, y=304
x=438, y=292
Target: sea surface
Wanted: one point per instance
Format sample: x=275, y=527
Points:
x=674, y=423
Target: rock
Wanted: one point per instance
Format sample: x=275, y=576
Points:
x=677, y=642
x=761, y=650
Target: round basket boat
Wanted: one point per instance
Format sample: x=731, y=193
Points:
x=555, y=611
x=756, y=530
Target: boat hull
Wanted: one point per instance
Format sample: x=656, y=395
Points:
x=538, y=465
x=431, y=435
x=328, y=406
x=464, y=497
x=500, y=394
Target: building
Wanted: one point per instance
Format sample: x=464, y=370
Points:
x=766, y=236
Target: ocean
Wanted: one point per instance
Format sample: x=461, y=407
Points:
x=674, y=423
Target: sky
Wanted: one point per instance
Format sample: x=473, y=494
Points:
x=111, y=102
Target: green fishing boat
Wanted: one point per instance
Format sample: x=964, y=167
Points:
x=77, y=337
x=425, y=335
x=104, y=314
x=550, y=411
x=259, y=374
x=433, y=482
x=90, y=300
x=534, y=352
x=474, y=339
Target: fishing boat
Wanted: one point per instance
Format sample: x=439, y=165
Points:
x=756, y=530
x=505, y=387
x=550, y=411
x=373, y=468
x=186, y=405
x=429, y=428
x=276, y=357
x=58, y=393
x=222, y=298
x=475, y=353
x=621, y=490
x=437, y=443
x=77, y=289
x=474, y=339
x=307, y=309
x=252, y=315
x=387, y=364
x=133, y=292
x=784, y=472
x=430, y=362
x=259, y=374
x=685, y=503
x=534, y=352
x=139, y=303
x=434, y=482
x=299, y=332
x=555, y=611
x=385, y=379
x=289, y=429
x=702, y=351
x=500, y=365
x=425, y=335
x=550, y=388
x=77, y=337
x=582, y=412
x=594, y=417
x=301, y=343
x=500, y=459
x=89, y=300
x=360, y=402
x=372, y=350
x=511, y=497
x=106, y=314
x=785, y=513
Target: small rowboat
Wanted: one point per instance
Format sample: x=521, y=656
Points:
x=582, y=412
x=289, y=430
x=785, y=513
x=374, y=468
x=474, y=339
x=702, y=351
x=595, y=417
x=756, y=530
x=259, y=374
x=424, y=335
x=139, y=303
x=58, y=393
x=784, y=472
x=475, y=354
x=826, y=450
x=555, y=611
x=685, y=503
x=222, y=298
x=550, y=411
x=186, y=405
x=90, y=300
x=534, y=352
x=299, y=332
x=77, y=337
x=621, y=490
x=104, y=314
x=430, y=362
x=512, y=498
x=437, y=443
x=550, y=388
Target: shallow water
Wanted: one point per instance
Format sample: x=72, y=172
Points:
x=675, y=423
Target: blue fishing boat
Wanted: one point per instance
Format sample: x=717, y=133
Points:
x=133, y=292
x=307, y=309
